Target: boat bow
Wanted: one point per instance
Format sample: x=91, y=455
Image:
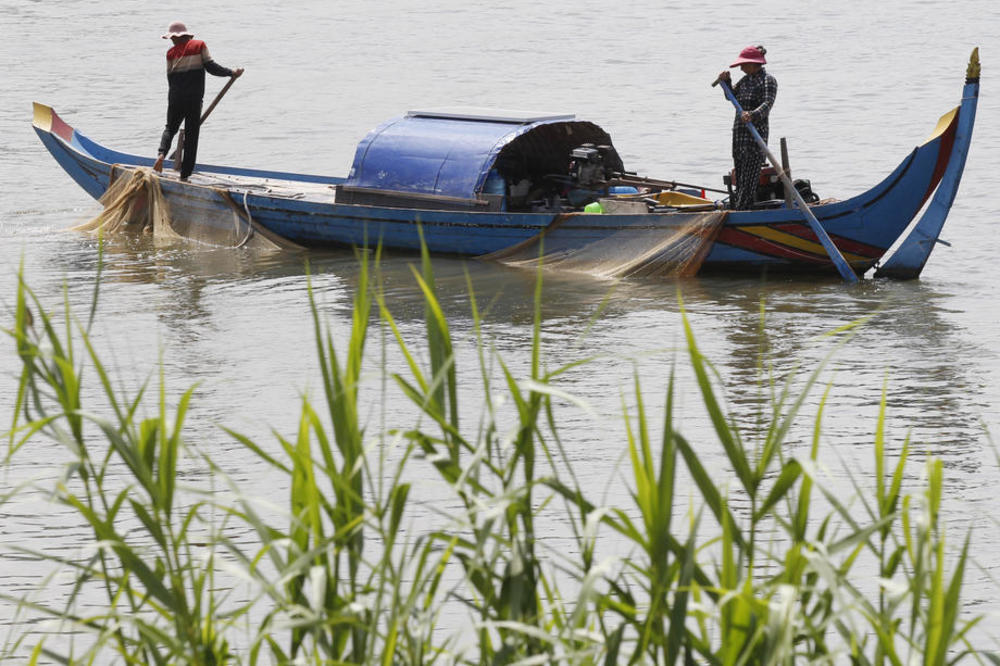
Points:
x=907, y=262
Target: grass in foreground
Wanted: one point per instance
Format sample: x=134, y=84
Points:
x=345, y=577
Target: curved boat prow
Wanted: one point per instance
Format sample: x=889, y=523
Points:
x=907, y=262
x=47, y=122
x=74, y=152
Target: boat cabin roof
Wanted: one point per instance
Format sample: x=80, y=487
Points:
x=488, y=114
x=451, y=151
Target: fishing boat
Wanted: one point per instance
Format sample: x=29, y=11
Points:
x=502, y=184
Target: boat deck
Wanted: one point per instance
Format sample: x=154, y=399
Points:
x=275, y=187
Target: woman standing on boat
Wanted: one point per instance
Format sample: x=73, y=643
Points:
x=755, y=92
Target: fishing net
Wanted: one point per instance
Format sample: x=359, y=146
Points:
x=674, y=246
x=134, y=204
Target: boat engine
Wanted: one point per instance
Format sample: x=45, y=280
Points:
x=771, y=191
x=587, y=166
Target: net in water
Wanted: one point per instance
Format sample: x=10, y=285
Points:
x=134, y=204
x=670, y=245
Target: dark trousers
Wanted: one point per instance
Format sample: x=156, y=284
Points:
x=189, y=111
x=746, y=177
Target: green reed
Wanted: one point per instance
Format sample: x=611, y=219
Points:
x=347, y=574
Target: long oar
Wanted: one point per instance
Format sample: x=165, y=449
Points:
x=218, y=98
x=824, y=238
x=225, y=89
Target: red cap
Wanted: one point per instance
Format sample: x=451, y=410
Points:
x=750, y=54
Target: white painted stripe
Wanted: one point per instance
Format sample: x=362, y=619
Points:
x=185, y=63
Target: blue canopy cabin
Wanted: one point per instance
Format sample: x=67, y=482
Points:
x=479, y=160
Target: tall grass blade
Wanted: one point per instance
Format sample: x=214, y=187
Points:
x=709, y=492
x=730, y=444
x=348, y=572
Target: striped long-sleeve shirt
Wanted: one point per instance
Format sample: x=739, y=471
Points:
x=186, y=67
x=755, y=93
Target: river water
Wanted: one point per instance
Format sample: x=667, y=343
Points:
x=860, y=84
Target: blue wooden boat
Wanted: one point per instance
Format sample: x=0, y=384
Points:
x=474, y=182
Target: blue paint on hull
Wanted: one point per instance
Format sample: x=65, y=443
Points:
x=748, y=241
x=909, y=259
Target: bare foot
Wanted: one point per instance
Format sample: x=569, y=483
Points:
x=158, y=165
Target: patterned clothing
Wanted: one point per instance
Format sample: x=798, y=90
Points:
x=746, y=178
x=186, y=66
x=755, y=93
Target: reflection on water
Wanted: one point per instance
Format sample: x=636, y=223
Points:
x=755, y=330
x=906, y=338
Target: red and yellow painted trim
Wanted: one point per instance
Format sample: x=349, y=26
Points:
x=47, y=120
x=795, y=242
x=946, y=130
x=853, y=248
x=944, y=123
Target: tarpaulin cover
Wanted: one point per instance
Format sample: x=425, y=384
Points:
x=449, y=154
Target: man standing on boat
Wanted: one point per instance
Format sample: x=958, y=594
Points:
x=755, y=92
x=187, y=63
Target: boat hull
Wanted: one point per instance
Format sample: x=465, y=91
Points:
x=777, y=239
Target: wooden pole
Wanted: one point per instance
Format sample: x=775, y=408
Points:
x=824, y=238
x=784, y=166
x=178, y=155
x=179, y=151
x=632, y=179
x=218, y=98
